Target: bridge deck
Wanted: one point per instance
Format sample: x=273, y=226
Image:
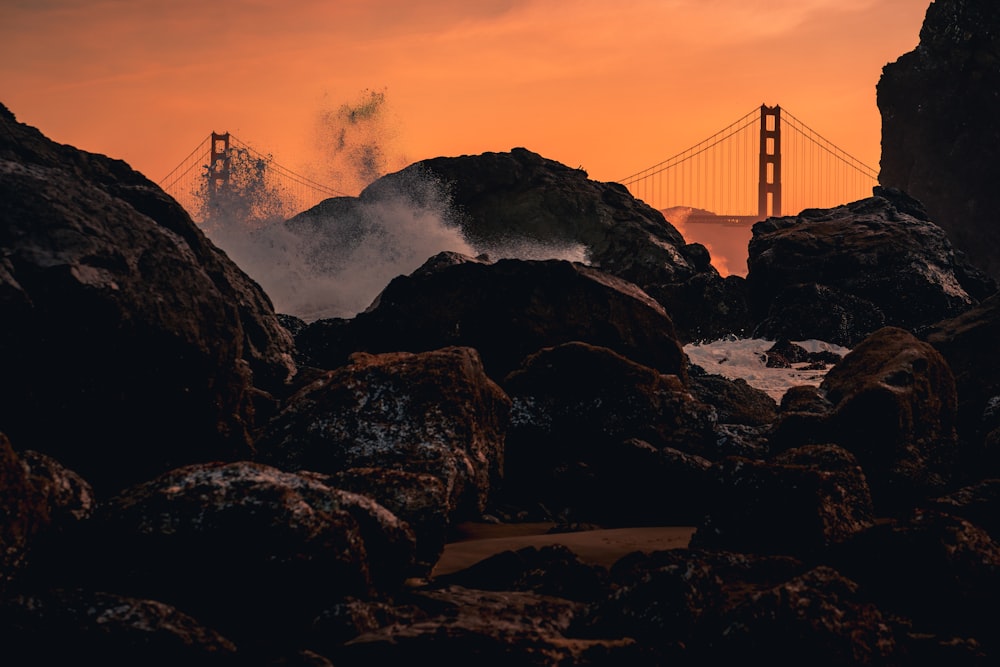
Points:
x=728, y=220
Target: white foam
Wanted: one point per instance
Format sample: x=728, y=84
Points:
x=746, y=358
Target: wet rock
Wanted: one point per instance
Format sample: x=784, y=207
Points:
x=734, y=400
x=553, y=570
x=784, y=353
x=941, y=122
x=119, y=316
x=978, y=503
x=505, y=310
x=673, y=602
x=968, y=344
x=587, y=427
x=800, y=503
x=818, y=618
x=935, y=569
x=488, y=628
x=520, y=202
x=895, y=409
x=251, y=550
x=22, y=513
x=419, y=499
x=839, y=274
x=433, y=413
x=70, y=626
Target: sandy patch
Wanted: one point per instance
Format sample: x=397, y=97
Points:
x=601, y=547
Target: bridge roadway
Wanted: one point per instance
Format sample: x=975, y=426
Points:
x=727, y=220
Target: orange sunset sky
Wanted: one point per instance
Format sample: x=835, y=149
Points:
x=613, y=85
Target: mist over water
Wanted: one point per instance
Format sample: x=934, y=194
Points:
x=334, y=260
x=336, y=266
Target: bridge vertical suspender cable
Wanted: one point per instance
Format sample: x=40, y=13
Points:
x=769, y=152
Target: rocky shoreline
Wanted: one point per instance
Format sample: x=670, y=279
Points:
x=188, y=477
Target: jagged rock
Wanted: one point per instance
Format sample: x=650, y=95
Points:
x=969, y=345
x=705, y=307
x=576, y=410
x=249, y=549
x=784, y=353
x=68, y=498
x=805, y=398
x=802, y=419
x=118, y=318
x=839, y=274
x=22, y=513
x=978, y=503
x=895, y=409
x=432, y=413
x=520, y=199
x=752, y=442
x=735, y=401
x=581, y=392
x=552, y=570
x=941, y=124
x=671, y=602
x=819, y=311
x=506, y=311
x=488, y=628
x=418, y=498
x=818, y=618
x=800, y=503
x=339, y=623
x=79, y=627
x=938, y=570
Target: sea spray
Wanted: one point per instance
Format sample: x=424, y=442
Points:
x=335, y=258
x=746, y=359
x=333, y=261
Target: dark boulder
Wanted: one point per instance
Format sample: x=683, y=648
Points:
x=503, y=202
x=588, y=427
x=672, y=602
x=819, y=618
x=431, y=413
x=249, y=549
x=585, y=393
x=969, y=345
x=552, y=570
x=941, y=124
x=800, y=503
x=22, y=513
x=78, y=627
x=734, y=400
x=838, y=274
x=940, y=571
x=418, y=498
x=488, y=628
x=978, y=503
x=506, y=311
x=895, y=409
x=119, y=316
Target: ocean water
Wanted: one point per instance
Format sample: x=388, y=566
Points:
x=746, y=358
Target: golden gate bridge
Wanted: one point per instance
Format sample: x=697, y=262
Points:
x=766, y=163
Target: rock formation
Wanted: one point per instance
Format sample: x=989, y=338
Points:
x=941, y=124
x=506, y=311
x=839, y=274
x=120, y=317
x=854, y=523
x=519, y=199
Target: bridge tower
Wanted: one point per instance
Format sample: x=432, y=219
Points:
x=770, y=161
x=218, y=166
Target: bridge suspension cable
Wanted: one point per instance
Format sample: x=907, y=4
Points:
x=187, y=181
x=722, y=174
